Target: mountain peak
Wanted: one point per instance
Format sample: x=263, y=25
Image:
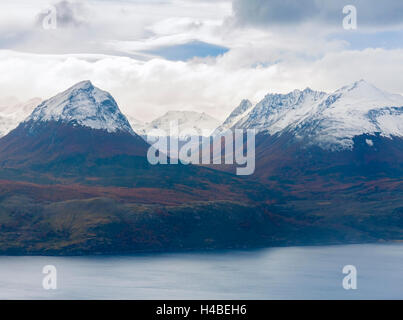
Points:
x=85, y=84
x=83, y=104
x=365, y=95
x=307, y=90
x=238, y=113
x=243, y=106
x=361, y=85
x=361, y=81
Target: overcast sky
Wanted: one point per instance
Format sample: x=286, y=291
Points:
x=202, y=55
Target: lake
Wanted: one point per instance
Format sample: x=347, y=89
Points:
x=272, y=273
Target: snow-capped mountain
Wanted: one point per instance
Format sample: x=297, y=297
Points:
x=81, y=123
x=13, y=112
x=328, y=120
x=82, y=105
x=356, y=109
x=201, y=123
x=239, y=113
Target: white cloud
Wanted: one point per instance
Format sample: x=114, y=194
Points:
x=260, y=60
x=148, y=89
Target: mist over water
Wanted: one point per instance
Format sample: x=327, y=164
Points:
x=273, y=273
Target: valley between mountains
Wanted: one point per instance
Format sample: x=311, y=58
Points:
x=74, y=177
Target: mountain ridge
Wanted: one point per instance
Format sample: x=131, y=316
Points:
x=328, y=120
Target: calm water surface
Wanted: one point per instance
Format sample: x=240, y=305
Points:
x=275, y=273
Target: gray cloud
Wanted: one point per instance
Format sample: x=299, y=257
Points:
x=291, y=12
x=69, y=14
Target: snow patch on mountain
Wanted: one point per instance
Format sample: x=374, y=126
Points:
x=390, y=121
x=84, y=105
